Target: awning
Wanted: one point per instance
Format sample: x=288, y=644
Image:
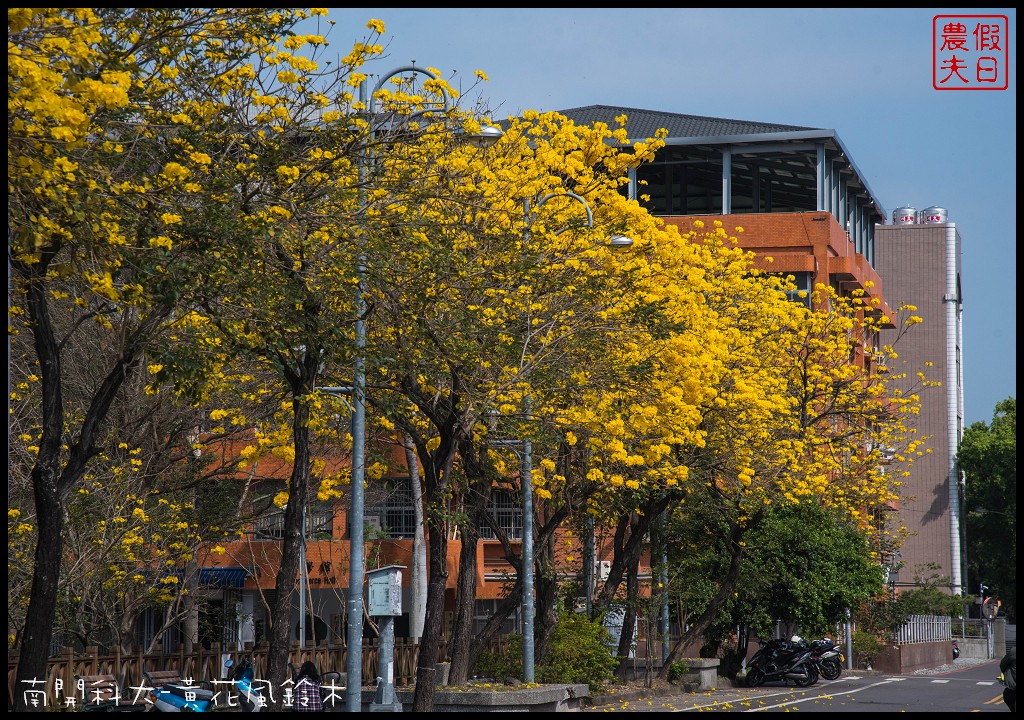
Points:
x=224, y=577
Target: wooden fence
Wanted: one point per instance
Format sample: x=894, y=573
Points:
x=201, y=666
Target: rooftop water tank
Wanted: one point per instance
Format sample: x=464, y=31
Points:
x=905, y=215
x=933, y=216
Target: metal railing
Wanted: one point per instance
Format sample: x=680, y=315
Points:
x=925, y=628
x=970, y=628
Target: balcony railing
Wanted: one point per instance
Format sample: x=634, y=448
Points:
x=319, y=523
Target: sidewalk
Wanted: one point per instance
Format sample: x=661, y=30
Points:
x=673, y=697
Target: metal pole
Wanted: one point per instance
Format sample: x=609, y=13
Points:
x=963, y=550
x=665, y=637
x=526, y=481
x=384, y=699
x=354, y=666
x=617, y=241
x=303, y=579
x=528, y=608
x=353, y=700
x=990, y=653
x=588, y=564
x=849, y=642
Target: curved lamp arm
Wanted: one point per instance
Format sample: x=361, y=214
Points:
x=399, y=71
x=485, y=138
x=615, y=241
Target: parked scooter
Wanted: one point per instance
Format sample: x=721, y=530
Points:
x=827, y=658
x=789, y=661
x=183, y=697
x=956, y=650
x=250, y=699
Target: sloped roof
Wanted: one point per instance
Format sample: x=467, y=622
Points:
x=738, y=135
x=645, y=123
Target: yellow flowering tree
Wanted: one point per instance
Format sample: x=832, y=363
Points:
x=120, y=166
x=704, y=362
x=817, y=439
x=475, y=301
x=321, y=179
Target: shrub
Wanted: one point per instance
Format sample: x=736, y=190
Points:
x=499, y=666
x=866, y=646
x=578, y=653
x=677, y=669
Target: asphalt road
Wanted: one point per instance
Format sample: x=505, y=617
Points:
x=971, y=686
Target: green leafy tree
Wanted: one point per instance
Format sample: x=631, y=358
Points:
x=807, y=565
x=803, y=564
x=988, y=459
x=928, y=597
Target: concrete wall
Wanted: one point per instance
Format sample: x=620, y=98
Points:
x=901, y=659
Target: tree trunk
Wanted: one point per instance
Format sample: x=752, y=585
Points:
x=725, y=589
x=35, y=640
x=475, y=513
x=628, y=621
x=51, y=482
x=190, y=611
x=465, y=601
x=627, y=546
x=418, y=573
x=291, y=548
x=546, y=585
x=430, y=644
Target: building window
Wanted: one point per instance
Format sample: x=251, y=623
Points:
x=801, y=284
x=149, y=623
x=681, y=182
x=396, y=514
x=484, y=610
x=507, y=511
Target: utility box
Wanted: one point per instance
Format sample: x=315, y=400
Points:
x=385, y=591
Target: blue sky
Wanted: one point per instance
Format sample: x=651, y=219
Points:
x=867, y=74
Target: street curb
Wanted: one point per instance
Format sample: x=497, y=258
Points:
x=643, y=694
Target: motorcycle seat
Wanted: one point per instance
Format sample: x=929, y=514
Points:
x=193, y=692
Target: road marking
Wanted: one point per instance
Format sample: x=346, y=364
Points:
x=940, y=682
x=830, y=695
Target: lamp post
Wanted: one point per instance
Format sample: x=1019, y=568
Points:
x=303, y=581
x=335, y=391
x=486, y=137
x=616, y=241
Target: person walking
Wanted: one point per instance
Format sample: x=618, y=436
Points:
x=307, y=689
x=1008, y=673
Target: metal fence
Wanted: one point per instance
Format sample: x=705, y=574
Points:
x=969, y=628
x=925, y=628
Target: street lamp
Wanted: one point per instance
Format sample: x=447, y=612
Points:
x=354, y=667
x=983, y=511
x=616, y=241
x=303, y=582
x=334, y=391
